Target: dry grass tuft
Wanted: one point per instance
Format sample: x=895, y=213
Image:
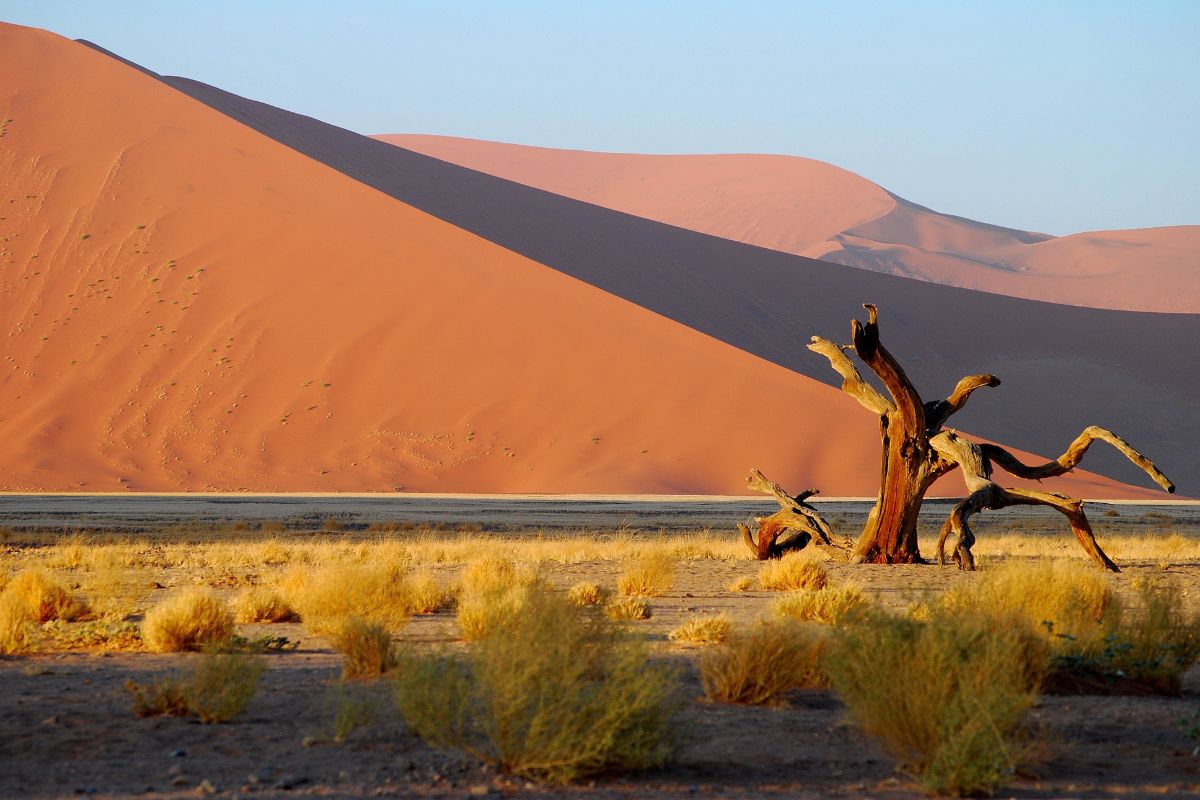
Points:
x=14, y=624
x=262, y=605
x=494, y=593
x=703, y=630
x=742, y=584
x=191, y=620
x=829, y=605
x=792, y=572
x=649, y=576
x=557, y=694
x=44, y=598
x=218, y=689
x=324, y=596
x=761, y=665
x=426, y=596
x=587, y=594
x=366, y=647
x=946, y=697
x=627, y=608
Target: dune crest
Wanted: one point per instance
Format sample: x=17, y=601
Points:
x=810, y=208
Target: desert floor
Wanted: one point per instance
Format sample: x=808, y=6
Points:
x=66, y=726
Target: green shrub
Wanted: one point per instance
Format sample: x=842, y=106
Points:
x=946, y=696
x=553, y=693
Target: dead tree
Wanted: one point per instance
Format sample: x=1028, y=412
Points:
x=917, y=451
x=794, y=526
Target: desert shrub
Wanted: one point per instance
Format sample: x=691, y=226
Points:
x=324, y=596
x=828, y=605
x=627, y=608
x=491, y=573
x=218, y=689
x=556, y=694
x=14, y=624
x=792, y=572
x=43, y=597
x=703, y=630
x=191, y=620
x=587, y=594
x=493, y=592
x=1146, y=648
x=262, y=605
x=366, y=648
x=946, y=696
x=1096, y=641
x=742, y=584
x=761, y=665
x=649, y=576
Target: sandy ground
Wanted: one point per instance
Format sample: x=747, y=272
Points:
x=66, y=727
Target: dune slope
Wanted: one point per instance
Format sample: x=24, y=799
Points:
x=1064, y=367
x=810, y=208
x=189, y=305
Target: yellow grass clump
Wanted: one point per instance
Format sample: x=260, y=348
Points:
x=366, y=647
x=14, y=624
x=426, y=595
x=191, y=620
x=587, y=594
x=627, y=608
x=742, y=584
x=761, y=665
x=703, y=630
x=792, y=572
x=946, y=696
x=324, y=596
x=43, y=598
x=493, y=594
x=559, y=694
x=259, y=604
x=828, y=605
x=648, y=576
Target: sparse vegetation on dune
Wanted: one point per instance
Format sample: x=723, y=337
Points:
x=558, y=694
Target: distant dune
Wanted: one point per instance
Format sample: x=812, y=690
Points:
x=189, y=304
x=810, y=208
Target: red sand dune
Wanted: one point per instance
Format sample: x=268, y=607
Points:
x=814, y=209
x=190, y=305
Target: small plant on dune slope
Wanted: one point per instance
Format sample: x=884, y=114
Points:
x=262, y=605
x=946, y=696
x=649, y=576
x=557, y=694
x=829, y=605
x=366, y=648
x=192, y=620
x=792, y=572
x=703, y=630
x=761, y=665
x=43, y=598
x=219, y=688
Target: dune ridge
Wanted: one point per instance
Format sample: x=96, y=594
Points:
x=810, y=208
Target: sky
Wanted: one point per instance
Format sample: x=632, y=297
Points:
x=1057, y=117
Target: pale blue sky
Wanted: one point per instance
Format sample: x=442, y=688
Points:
x=1051, y=116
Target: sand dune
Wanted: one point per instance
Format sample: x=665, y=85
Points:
x=810, y=208
x=1064, y=367
x=190, y=305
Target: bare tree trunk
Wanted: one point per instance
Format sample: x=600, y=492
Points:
x=794, y=526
